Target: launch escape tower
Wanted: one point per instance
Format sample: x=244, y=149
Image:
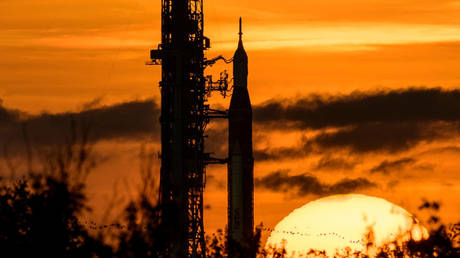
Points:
x=184, y=116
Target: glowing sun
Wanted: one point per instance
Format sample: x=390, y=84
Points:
x=336, y=222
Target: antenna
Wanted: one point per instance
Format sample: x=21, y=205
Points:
x=241, y=31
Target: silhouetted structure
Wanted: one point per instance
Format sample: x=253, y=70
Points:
x=184, y=116
x=240, y=154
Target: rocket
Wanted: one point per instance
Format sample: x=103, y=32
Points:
x=240, y=153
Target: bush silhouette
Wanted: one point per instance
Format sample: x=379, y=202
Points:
x=39, y=213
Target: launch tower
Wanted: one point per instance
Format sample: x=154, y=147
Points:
x=184, y=116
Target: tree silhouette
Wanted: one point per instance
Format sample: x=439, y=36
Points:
x=39, y=213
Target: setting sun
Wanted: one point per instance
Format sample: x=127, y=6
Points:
x=336, y=222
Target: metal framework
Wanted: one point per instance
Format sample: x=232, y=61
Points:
x=184, y=116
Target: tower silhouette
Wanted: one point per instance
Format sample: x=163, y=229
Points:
x=184, y=116
x=182, y=124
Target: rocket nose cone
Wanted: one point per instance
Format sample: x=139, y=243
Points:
x=240, y=53
x=240, y=64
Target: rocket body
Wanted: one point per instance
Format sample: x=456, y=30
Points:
x=240, y=153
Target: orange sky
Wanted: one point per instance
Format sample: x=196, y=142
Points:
x=57, y=55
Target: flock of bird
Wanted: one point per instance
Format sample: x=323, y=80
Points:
x=330, y=234
x=93, y=226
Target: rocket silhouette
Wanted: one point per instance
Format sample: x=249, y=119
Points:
x=240, y=152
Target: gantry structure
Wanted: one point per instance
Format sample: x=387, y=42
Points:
x=184, y=116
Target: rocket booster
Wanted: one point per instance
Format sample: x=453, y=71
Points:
x=240, y=153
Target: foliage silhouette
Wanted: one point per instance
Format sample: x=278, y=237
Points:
x=145, y=235
x=39, y=213
x=443, y=241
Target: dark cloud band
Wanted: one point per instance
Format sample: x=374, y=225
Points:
x=389, y=121
x=133, y=119
x=388, y=166
x=318, y=112
x=281, y=181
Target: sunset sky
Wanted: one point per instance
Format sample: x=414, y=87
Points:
x=357, y=96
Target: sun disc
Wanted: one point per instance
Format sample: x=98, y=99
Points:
x=338, y=222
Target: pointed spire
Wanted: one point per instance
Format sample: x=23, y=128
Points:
x=241, y=31
x=240, y=54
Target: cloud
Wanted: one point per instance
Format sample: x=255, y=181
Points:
x=382, y=137
x=268, y=154
x=319, y=112
x=304, y=184
x=8, y=115
x=361, y=122
x=387, y=166
x=362, y=139
x=442, y=150
x=328, y=162
x=216, y=141
x=132, y=120
x=213, y=180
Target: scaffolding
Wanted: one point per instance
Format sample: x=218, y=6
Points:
x=184, y=116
